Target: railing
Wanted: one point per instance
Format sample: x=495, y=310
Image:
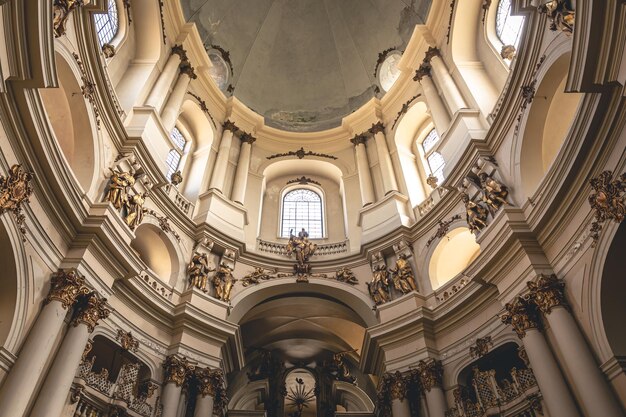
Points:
x=280, y=249
x=179, y=200
x=431, y=201
x=444, y=295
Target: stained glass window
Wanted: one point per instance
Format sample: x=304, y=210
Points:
x=508, y=27
x=302, y=208
x=175, y=155
x=107, y=24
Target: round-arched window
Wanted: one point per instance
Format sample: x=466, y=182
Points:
x=508, y=27
x=389, y=72
x=107, y=24
x=302, y=208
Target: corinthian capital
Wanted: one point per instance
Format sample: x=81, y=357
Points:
x=91, y=308
x=187, y=69
x=548, y=292
x=177, y=370
x=431, y=374
x=359, y=140
x=180, y=51
x=377, y=128
x=432, y=52
x=209, y=381
x=422, y=71
x=65, y=287
x=521, y=314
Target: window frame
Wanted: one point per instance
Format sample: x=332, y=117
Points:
x=508, y=15
x=176, y=148
x=317, y=190
x=426, y=154
x=122, y=27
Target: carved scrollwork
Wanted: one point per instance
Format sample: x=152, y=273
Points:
x=177, y=370
x=431, y=374
x=127, y=341
x=90, y=310
x=607, y=201
x=258, y=275
x=346, y=275
x=548, y=292
x=481, y=348
x=522, y=315
x=66, y=287
x=15, y=190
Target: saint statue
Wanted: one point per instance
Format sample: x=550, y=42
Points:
x=347, y=276
x=60, y=11
x=379, y=286
x=198, y=270
x=135, y=210
x=223, y=282
x=494, y=192
x=561, y=14
x=402, y=275
x=302, y=248
x=476, y=214
x=120, y=184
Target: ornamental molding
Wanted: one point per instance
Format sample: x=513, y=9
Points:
x=443, y=229
x=608, y=201
x=300, y=154
x=127, y=341
x=548, y=292
x=522, y=315
x=88, y=90
x=304, y=181
x=66, y=286
x=16, y=190
x=404, y=109
x=90, y=309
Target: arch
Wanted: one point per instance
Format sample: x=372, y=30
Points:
x=110, y=355
x=352, y=398
x=453, y=253
x=71, y=121
x=249, y=396
x=250, y=297
x=547, y=126
x=158, y=252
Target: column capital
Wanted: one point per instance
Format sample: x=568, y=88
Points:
x=186, y=68
x=359, y=139
x=432, y=52
x=247, y=138
x=177, y=370
x=378, y=127
x=65, y=287
x=228, y=125
x=423, y=71
x=91, y=308
x=548, y=292
x=521, y=314
x=392, y=386
x=180, y=51
x=431, y=374
x=209, y=381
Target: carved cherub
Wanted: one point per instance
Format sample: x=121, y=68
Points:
x=346, y=275
x=494, y=192
x=476, y=214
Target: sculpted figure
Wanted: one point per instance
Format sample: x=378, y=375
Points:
x=198, y=271
x=476, y=215
x=223, y=282
x=347, y=276
x=135, y=210
x=402, y=276
x=255, y=277
x=301, y=247
x=379, y=286
x=61, y=10
x=340, y=367
x=494, y=192
x=561, y=14
x=120, y=184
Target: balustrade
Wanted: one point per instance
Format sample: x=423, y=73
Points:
x=280, y=249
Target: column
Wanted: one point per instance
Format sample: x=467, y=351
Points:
x=588, y=380
x=393, y=388
x=221, y=163
x=157, y=95
x=438, y=110
x=209, y=382
x=243, y=166
x=444, y=79
x=363, y=168
x=174, y=103
x=53, y=395
x=431, y=379
x=22, y=379
x=384, y=158
x=522, y=315
x=176, y=371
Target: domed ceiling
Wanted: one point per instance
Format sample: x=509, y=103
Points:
x=305, y=64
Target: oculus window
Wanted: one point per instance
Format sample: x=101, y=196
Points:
x=107, y=24
x=220, y=70
x=508, y=27
x=389, y=72
x=434, y=160
x=302, y=208
x=176, y=154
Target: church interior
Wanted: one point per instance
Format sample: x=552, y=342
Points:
x=312, y=208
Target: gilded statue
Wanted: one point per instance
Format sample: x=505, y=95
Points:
x=494, y=192
x=608, y=199
x=379, y=286
x=256, y=276
x=135, y=210
x=120, y=184
x=561, y=14
x=402, y=275
x=346, y=275
x=223, y=281
x=198, y=270
x=303, y=248
x=340, y=367
x=15, y=189
x=476, y=214
x=176, y=178
x=61, y=10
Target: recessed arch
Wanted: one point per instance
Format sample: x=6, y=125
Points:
x=9, y=301
x=454, y=252
x=157, y=251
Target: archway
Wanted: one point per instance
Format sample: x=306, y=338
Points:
x=157, y=252
x=456, y=250
x=613, y=288
x=9, y=285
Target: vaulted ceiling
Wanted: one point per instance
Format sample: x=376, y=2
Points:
x=305, y=64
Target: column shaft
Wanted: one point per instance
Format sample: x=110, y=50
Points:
x=365, y=176
x=241, y=175
x=549, y=377
x=389, y=177
x=157, y=95
x=399, y=408
x=53, y=394
x=170, y=399
x=221, y=163
x=448, y=86
x=436, y=402
x=21, y=382
x=595, y=394
x=204, y=406
x=438, y=110
x=175, y=102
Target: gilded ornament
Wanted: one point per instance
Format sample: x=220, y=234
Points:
x=66, y=287
x=494, y=192
x=432, y=181
x=87, y=349
x=61, y=10
x=127, y=341
x=209, y=381
x=135, y=210
x=423, y=71
x=346, y=275
x=431, y=374
x=258, y=275
x=90, y=310
x=186, y=68
x=481, y=348
x=177, y=370
x=402, y=275
x=561, y=14
x=521, y=314
x=398, y=387
x=176, y=178
x=120, y=184
x=16, y=190
x=475, y=214
x=301, y=153
x=379, y=286
x=198, y=271
x=442, y=230
x=303, y=249
x=108, y=50
x=508, y=52
x=303, y=180
x=608, y=201
x=548, y=292
x=223, y=281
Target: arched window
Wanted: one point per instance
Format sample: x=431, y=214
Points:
x=302, y=208
x=175, y=155
x=434, y=160
x=107, y=23
x=508, y=27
